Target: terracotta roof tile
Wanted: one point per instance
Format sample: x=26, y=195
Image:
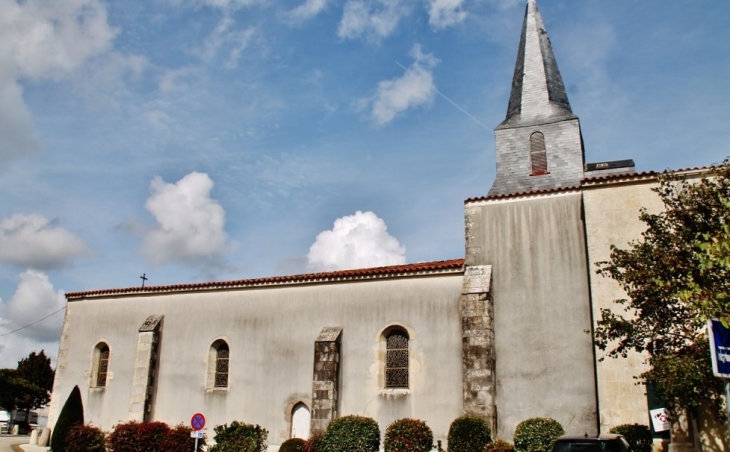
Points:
x=448, y=266
x=546, y=191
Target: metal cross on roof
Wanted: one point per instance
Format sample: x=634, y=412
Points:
x=143, y=278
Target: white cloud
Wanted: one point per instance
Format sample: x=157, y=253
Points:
x=225, y=36
x=308, y=9
x=225, y=4
x=34, y=241
x=372, y=19
x=34, y=299
x=415, y=88
x=42, y=39
x=356, y=241
x=190, y=223
x=445, y=13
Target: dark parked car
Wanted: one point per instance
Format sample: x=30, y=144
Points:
x=585, y=443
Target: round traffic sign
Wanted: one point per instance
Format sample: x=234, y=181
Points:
x=197, y=421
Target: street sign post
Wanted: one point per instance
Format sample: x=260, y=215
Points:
x=720, y=352
x=719, y=348
x=197, y=422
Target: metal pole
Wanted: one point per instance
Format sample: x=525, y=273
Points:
x=196, y=443
x=727, y=403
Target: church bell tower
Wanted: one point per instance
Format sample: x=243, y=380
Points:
x=539, y=144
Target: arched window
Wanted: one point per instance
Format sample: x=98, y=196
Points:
x=538, y=156
x=100, y=365
x=218, y=364
x=396, y=358
x=221, y=365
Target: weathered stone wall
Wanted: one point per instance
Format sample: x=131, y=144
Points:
x=544, y=358
x=325, y=379
x=477, y=316
x=271, y=333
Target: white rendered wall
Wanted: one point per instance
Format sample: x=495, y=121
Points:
x=271, y=334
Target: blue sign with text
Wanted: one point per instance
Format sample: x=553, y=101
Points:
x=720, y=348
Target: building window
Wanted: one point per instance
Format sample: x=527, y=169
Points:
x=218, y=365
x=100, y=365
x=221, y=365
x=538, y=156
x=396, y=359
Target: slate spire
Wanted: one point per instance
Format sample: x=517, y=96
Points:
x=538, y=92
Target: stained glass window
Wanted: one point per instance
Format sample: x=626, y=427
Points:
x=103, y=365
x=221, y=366
x=396, y=360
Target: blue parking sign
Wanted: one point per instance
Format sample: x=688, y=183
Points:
x=719, y=348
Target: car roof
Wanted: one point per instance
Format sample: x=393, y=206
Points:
x=603, y=437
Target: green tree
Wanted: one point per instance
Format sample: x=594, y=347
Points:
x=675, y=277
x=15, y=391
x=37, y=371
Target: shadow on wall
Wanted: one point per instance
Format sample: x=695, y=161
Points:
x=714, y=435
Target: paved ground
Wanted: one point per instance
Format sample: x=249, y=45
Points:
x=6, y=441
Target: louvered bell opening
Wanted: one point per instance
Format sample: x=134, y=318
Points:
x=538, y=156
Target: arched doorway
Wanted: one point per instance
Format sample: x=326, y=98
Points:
x=300, y=419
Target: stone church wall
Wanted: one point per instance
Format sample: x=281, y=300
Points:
x=271, y=333
x=544, y=358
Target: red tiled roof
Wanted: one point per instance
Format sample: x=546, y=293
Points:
x=545, y=191
x=589, y=180
x=393, y=271
x=641, y=175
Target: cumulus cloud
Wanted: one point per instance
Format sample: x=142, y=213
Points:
x=41, y=39
x=190, y=224
x=356, y=241
x=372, y=19
x=445, y=13
x=415, y=88
x=308, y=9
x=34, y=299
x=34, y=241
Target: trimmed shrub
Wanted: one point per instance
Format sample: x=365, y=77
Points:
x=469, y=433
x=314, y=443
x=85, y=438
x=240, y=437
x=500, y=446
x=638, y=436
x=537, y=434
x=293, y=445
x=138, y=437
x=178, y=439
x=408, y=435
x=351, y=434
x=71, y=414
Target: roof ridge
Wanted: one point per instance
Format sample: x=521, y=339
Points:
x=351, y=274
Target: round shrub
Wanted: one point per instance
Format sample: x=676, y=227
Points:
x=134, y=436
x=469, y=433
x=638, y=436
x=351, y=434
x=408, y=435
x=500, y=446
x=314, y=443
x=537, y=434
x=293, y=445
x=85, y=438
x=178, y=439
x=240, y=437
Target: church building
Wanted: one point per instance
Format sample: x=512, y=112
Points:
x=502, y=332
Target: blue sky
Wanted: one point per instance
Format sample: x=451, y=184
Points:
x=197, y=140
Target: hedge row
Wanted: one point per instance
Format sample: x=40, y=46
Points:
x=345, y=434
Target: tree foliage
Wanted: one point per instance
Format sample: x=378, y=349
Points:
x=36, y=369
x=17, y=392
x=675, y=277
